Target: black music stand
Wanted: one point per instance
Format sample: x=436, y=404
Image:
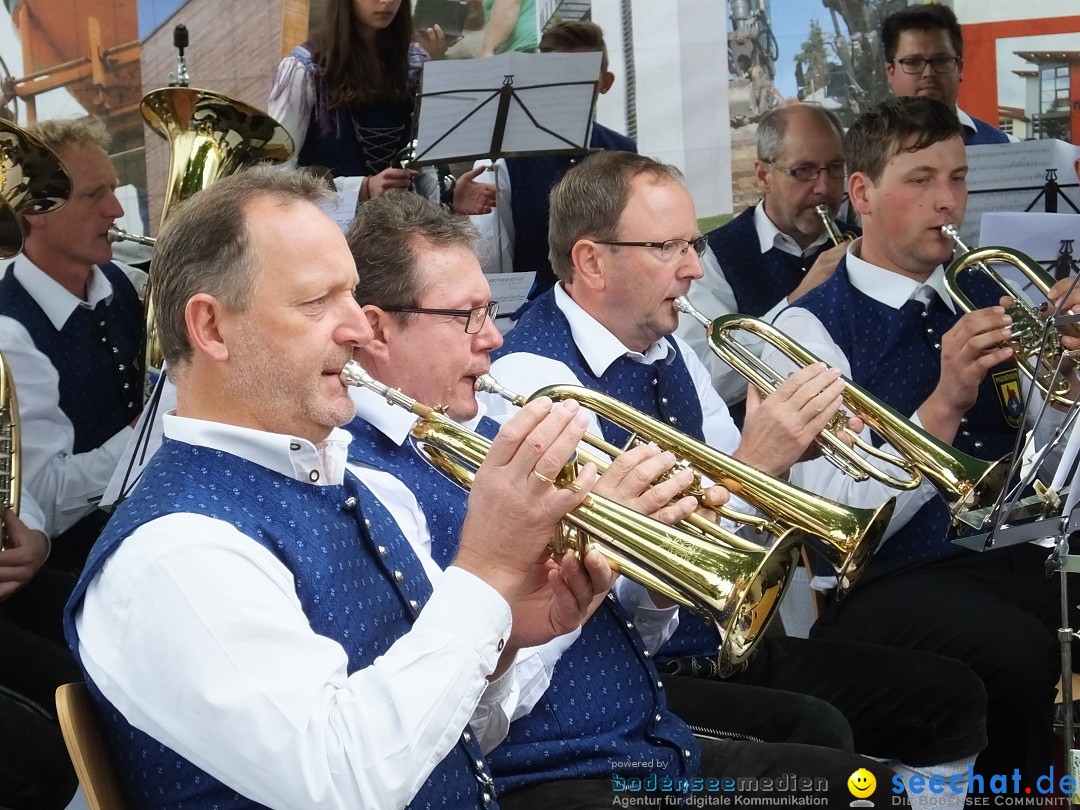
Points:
x=507, y=105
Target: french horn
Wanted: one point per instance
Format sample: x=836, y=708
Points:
x=738, y=589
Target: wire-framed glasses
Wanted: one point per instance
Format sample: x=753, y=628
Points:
x=807, y=174
x=669, y=249
x=475, y=318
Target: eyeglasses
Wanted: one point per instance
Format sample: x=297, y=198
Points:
x=807, y=174
x=917, y=64
x=669, y=249
x=476, y=317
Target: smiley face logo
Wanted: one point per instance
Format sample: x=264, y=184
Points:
x=862, y=783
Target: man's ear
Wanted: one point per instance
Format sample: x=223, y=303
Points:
x=590, y=265
x=859, y=188
x=207, y=330
x=607, y=78
x=381, y=323
x=761, y=176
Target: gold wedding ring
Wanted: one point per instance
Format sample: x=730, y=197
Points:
x=542, y=477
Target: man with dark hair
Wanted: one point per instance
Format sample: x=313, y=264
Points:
x=595, y=712
x=778, y=250
x=72, y=332
x=281, y=640
x=924, y=56
x=624, y=242
x=886, y=320
x=525, y=182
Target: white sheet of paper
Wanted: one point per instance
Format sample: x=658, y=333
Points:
x=1038, y=235
x=510, y=290
x=341, y=207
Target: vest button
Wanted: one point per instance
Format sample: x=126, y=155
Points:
x=480, y=766
x=399, y=577
x=127, y=386
x=120, y=367
x=672, y=419
x=937, y=346
x=663, y=400
x=115, y=350
x=104, y=340
x=382, y=551
x=659, y=684
x=978, y=445
x=645, y=653
x=686, y=753
x=658, y=718
x=466, y=736
x=486, y=797
x=102, y=324
x=414, y=604
x=350, y=502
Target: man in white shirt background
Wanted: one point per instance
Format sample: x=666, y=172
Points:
x=72, y=332
x=283, y=644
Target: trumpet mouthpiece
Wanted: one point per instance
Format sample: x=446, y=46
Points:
x=486, y=384
x=682, y=304
x=353, y=374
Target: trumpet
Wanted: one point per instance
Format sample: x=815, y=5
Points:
x=738, y=589
x=1027, y=327
x=846, y=536
x=837, y=236
x=963, y=481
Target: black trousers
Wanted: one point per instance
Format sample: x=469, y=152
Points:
x=997, y=612
x=35, y=771
x=720, y=759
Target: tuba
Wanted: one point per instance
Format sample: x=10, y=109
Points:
x=837, y=236
x=210, y=136
x=846, y=536
x=738, y=589
x=963, y=481
x=1038, y=361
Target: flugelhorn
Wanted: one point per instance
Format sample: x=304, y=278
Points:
x=10, y=450
x=837, y=236
x=846, y=536
x=963, y=481
x=1027, y=327
x=32, y=181
x=739, y=590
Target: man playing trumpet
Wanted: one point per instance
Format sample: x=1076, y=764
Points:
x=886, y=321
x=625, y=244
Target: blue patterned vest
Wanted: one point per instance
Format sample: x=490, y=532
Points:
x=334, y=573
x=443, y=501
x=984, y=133
x=98, y=355
x=531, y=181
x=759, y=280
x=361, y=140
x=664, y=391
x=604, y=703
x=896, y=355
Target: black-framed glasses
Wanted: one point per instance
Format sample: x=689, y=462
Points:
x=475, y=317
x=669, y=249
x=807, y=174
x=917, y=64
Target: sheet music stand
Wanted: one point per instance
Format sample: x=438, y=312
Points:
x=507, y=105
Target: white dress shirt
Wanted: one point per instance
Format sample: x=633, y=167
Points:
x=67, y=485
x=713, y=296
x=819, y=475
x=195, y=633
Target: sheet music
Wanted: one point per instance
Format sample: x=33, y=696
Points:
x=994, y=169
x=510, y=290
x=460, y=98
x=1038, y=235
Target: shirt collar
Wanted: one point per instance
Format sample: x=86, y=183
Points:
x=769, y=236
x=966, y=121
x=597, y=344
x=55, y=301
x=393, y=421
x=322, y=464
x=889, y=288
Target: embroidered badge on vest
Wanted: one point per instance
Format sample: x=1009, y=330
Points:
x=1007, y=385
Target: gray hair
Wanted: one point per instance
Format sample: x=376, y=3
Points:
x=205, y=247
x=590, y=199
x=56, y=133
x=773, y=127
